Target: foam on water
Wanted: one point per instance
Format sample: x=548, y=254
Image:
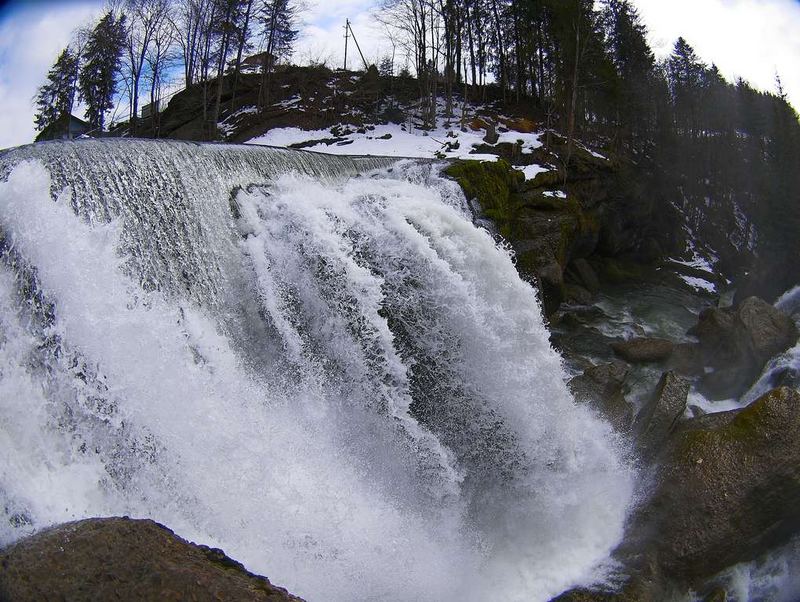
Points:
x=339, y=380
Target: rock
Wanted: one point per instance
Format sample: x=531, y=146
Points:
x=491, y=136
x=587, y=275
x=604, y=387
x=636, y=590
x=770, y=331
x=726, y=383
x=650, y=251
x=658, y=418
x=121, y=558
x=577, y=294
x=687, y=359
x=617, y=271
x=600, y=382
x=643, y=350
x=551, y=285
x=736, y=343
x=729, y=489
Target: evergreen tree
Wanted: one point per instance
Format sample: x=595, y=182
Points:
x=98, y=77
x=634, y=63
x=686, y=79
x=278, y=25
x=279, y=21
x=56, y=97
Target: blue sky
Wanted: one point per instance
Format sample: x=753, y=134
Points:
x=753, y=39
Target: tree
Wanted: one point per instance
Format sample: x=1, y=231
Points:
x=278, y=28
x=146, y=20
x=98, y=76
x=161, y=56
x=634, y=64
x=226, y=28
x=686, y=77
x=56, y=97
x=189, y=20
x=242, y=42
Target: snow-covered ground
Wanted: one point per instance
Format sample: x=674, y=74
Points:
x=400, y=140
x=531, y=171
x=701, y=261
x=699, y=284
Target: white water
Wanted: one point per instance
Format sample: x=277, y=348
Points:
x=339, y=380
x=773, y=578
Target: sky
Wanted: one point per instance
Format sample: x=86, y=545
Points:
x=753, y=39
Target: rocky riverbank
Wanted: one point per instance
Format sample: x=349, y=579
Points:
x=720, y=484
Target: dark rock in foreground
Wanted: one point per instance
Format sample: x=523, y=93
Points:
x=728, y=492
x=125, y=559
x=730, y=487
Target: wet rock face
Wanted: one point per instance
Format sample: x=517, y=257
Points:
x=659, y=417
x=120, y=558
x=736, y=343
x=643, y=350
x=586, y=276
x=604, y=387
x=730, y=488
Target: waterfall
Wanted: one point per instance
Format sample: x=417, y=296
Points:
x=319, y=364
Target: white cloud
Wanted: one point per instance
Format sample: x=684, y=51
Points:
x=752, y=39
x=323, y=35
x=31, y=37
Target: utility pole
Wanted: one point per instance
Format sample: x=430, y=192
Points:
x=348, y=32
x=346, y=36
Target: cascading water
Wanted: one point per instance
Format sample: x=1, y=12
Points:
x=335, y=377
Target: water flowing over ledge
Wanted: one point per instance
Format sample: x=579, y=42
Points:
x=317, y=363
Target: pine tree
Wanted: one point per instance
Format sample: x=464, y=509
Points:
x=56, y=97
x=98, y=77
x=277, y=20
x=686, y=79
x=279, y=24
x=634, y=63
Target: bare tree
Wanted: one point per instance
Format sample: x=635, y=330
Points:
x=161, y=55
x=145, y=20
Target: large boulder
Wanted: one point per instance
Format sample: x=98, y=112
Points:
x=604, y=386
x=736, y=343
x=121, y=558
x=687, y=359
x=643, y=350
x=660, y=415
x=729, y=489
x=585, y=275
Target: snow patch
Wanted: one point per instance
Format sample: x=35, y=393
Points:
x=531, y=171
x=698, y=284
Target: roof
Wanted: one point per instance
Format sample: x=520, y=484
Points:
x=65, y=126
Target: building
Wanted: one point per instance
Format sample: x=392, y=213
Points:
x=150, y=110
x=65, y=127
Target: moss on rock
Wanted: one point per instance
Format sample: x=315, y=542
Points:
x=491, y=184
x=731, y=487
